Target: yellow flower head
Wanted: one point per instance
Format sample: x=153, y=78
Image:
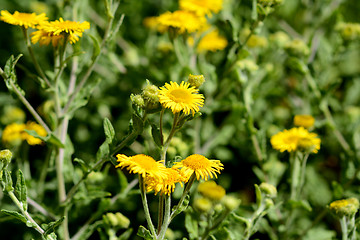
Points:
x=305, y=121
x=143, y=165
x=211, y=190
x=166, y=185
x=180, y=97
x=65, y=28
x=38, y=129
x=296, y=139
x=12, y=134
x=25, y=20
x=45, y=38
x=201, y=7
x=212, y=42
x=345, y=207
x=203, y=167
x=182, y=21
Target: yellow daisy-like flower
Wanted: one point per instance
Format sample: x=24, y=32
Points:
x=211, y=190
x=12, y=134
x=65, y=28
x=203, y=167
x=38, y=129
x=305, y=121
x=296, y=139
x=166, y=185
x=182, y=21
x=212, y=42
x=180, y=97
x=25, y=20
x=201, y=7
x=345, y=207
x=143, y=165
x=45, y=38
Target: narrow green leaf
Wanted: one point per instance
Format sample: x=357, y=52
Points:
x=52, y=226
x=20, y=189
x=138, y=123
x=6, y=181
x=258, y=195
x=103, y=151
x=155, y=132
x=144, y=233
x=15, y=215
x=90, y=230
x=109, y=130
x=126, y=235
x=96, y=45
x=191, y=225
x=84, y=166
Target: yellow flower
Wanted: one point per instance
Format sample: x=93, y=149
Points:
x=12, y=134
x=38, y=129
x=44, y=38
x=203, y=205
x=201, y=7
x=64, y=28
x=153, y=24
x=180, y=97
x=305, y=121
x=212, y=41
x=166, y=185
x=25, y=20
x=211, y=190
x=203, y=167
x=143, y=165
x=182, y=21
x=345, y=207
x=296, y=139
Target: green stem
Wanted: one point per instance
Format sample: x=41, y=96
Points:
x=27, y=215
x=161, y=126
x=295, y=175
x=124, y=142
x=344, y=228
x=167, y=220
x=145, y=206
x=302, y=174
x=171, y=134
x=32, y=55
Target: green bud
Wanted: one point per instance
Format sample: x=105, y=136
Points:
x=5, y=158
x=138, y=100
x=297, y=48
x=268, y=203
x=123, y=221
x=268, y=189
x=196, y=80
x=231, y=203
x=150, y=94
x=345, y=207
x=116, y=220
x=349, y=31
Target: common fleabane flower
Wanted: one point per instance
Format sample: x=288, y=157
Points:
x=296, y=139
x=201, y=7
x=180, y=97
x=211, y=190
x=143, y=165
x=166, y=185
x=25, y=20
x=200, y=165
x=305, y=121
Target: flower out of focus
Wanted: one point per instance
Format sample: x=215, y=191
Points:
x=15, y=133
x=345, y=207
x=305, y=121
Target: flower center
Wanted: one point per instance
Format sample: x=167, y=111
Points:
x=196, y=162
x=180, y=96
x=145, y=162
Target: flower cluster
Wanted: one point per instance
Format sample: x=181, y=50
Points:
x=15, y=133
x=55, y=32
x=158, y=178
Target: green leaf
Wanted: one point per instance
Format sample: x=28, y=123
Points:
x=183, y=206
x=299, y=204
x=258, y=195
x=10, y=74
x=138, y=124
x=144, y=233
x=50, y=138
x=20, y=189
x=89, y=230
x=191, y=225
x=84, y=166
x=96, y=45
x=103, y=151
x=6, y=181
x=109, y=131
x=155, y=132
x=52, y=226
x=15, y=215
x=125, y=235
x=51, y=236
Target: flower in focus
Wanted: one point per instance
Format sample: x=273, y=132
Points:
x=200, y=165
x=32, y=126
x=166, y=185
x=305, y=121
x=143, y=165
x=211, y=190
x=25, y=20
x=59, y=28
x=345, y=207
x=201, y=7
x=182, y=21
x=180, y=97
x=296, y=139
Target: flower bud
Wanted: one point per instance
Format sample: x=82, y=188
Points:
x=138, y=100
x=211, y=190
x=268, y=189
x=247, y=64
x=297, y=48
x=305, y=121
x=268, y=203
x=12, y=114
x=345, y=207
x=202, y=205
x=5, y=158
x=231, y=203
x=116, y=220
x=150, y=95
x=349, y=31
x=196, y=80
